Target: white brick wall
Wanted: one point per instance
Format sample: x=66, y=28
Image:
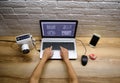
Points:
x=94, y=16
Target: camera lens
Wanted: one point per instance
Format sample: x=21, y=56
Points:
x=25, y=48
x=25, y=51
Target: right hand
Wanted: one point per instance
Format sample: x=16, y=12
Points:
x=64, y=53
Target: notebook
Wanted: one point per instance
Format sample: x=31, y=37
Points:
x=58, y=33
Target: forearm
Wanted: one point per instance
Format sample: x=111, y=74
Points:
x=37, y=72
x=72, y=74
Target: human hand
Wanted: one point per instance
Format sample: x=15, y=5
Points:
x=47, y=53
x=64, y=53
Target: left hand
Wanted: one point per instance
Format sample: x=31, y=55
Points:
x=47, y=53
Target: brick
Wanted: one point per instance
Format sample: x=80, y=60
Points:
x=33, y=27
x=92, y=27
x=56, y=10
x=111, y=12
x=42, y=0
x=84, y=11
x=109, y=23
x=9, y=16
x=6, y=10
x=18, y=0
x=13, y=4
x=103, y=30
x=66, y=0
x=89, y=17
x=28, y=21
x=41, y=3
x=10, y=21
x=35, y=10
x=98, y=27
x=4, y=32
x=42, y=16
x=98, y=0
x=66, y=16
x=86, y=22
x=103, y=33
x=4, y=0
x=104, y=5
x=73, y=4
x=112, y=0
x=29, y=10
x=101, y=17
x=20, y=10
x=15, y=27
x=94, y=5
x=90, y=0
x=103, y=23
x=95, y=11
x=22, y=16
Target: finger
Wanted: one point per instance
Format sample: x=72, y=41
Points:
x=60, y=50
x=61, y=47
x=50, y=47
x=52, y=53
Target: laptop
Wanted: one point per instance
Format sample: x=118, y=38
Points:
x=58, y=33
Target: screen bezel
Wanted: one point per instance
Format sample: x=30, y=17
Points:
x=40, y=21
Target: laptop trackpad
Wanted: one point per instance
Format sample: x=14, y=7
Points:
x=56, y=54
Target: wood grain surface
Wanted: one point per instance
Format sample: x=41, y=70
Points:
x=16, y=67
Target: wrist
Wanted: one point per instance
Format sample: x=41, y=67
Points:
x=44, y=60
x=66, y=61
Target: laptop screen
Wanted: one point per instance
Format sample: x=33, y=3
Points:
x=58, y=28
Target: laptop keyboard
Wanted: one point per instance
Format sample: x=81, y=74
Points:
x=56, y=45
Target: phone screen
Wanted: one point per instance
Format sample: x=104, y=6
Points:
x=94, y=40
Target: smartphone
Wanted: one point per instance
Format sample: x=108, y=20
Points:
x=94, y=40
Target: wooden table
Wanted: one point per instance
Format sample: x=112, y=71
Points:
x=16, y=67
